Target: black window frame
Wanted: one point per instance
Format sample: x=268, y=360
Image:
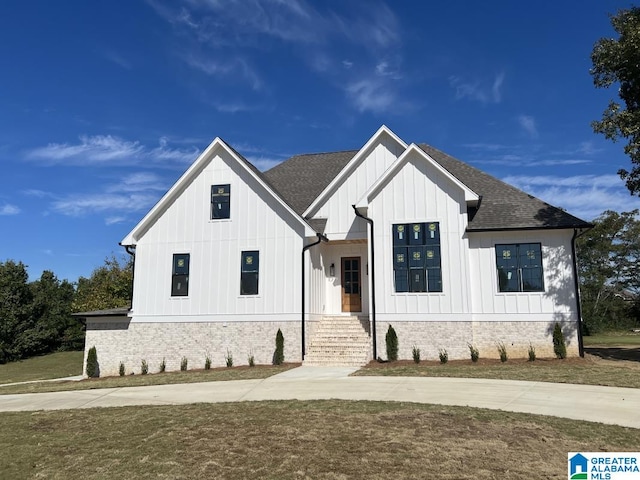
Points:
x=519, y=267
x=417, y=257
x=250, y=272
x=180, y=274
x=221, y=201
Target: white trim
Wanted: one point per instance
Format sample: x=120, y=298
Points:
x=339, y=179
x=469, y=195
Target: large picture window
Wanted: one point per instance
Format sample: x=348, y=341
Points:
x=220, y=201
x=180, y=275
x=249, y=273
x=416, y=257
x=519, y=267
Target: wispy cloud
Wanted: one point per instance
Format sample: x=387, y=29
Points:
x=8, y=209
x=585, y=196
x=528, y=124
x=478, y=90
x=234, y=69
x=118, y=59
x=109, y=150
x=370, y=95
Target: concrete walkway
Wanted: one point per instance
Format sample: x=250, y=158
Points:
x=612, y=405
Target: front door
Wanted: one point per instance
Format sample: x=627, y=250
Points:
x=351, y=285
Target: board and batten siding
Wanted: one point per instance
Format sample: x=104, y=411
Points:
x=257, y=222
x=419, y=192
x=341, y=221
x=556, y=303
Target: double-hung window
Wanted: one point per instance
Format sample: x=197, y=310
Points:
x=417, y=262
x=519, y=267
x=180, y=275
x=220, y=201
x=249, y=272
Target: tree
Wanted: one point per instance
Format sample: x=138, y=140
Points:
x=109, y=286
x=618, y=61
x=15, y=301
x=391, y=340
x=608, y=259
x=278, y=356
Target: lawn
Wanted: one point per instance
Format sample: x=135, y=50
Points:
x=54, y=365
x=296, y=440
x=613, y=339
x=589, y=370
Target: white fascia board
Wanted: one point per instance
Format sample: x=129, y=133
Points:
x=469, y=195
x=326, y=193
x=132, y=238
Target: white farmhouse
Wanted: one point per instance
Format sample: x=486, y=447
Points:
x=331, y=249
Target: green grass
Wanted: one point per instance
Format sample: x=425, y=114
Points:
x=296, y=440
x=575, y=370
x=54, y=365
x=613, y=338
x=193, y=376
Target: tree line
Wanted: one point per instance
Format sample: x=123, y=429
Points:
x=35, y=317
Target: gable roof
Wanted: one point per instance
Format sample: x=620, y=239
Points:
x=302, y=178
x=187, y=177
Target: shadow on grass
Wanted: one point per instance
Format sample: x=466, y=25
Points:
x=615, y=353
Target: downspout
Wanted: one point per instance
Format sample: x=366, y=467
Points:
x=373, y=284
x=131, y=250
x=321, y=238
x=577, y=287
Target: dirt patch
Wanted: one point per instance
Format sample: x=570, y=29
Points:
x=621, y=353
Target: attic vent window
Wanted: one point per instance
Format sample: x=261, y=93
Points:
x=416, y=257
x=220, y=201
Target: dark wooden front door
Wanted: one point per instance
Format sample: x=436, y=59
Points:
x=351, y=285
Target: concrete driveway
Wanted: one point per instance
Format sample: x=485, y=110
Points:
x=612, y=405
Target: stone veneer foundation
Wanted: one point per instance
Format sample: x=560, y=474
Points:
x=120, y=340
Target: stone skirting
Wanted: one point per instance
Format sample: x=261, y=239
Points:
x=132, y=342
x=429, y=337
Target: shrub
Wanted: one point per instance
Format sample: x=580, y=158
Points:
x=183, y=364
x=207, y=363
x=121, y=369
x=392, y=344
x=475, y=354
x=278, y=356
x=415, y=352
x=163, y=365
x=502, y=351
x=532, y=353
x=228, y=358
x=559, y=347
x=251, y=360
x=144, y=367
x=444, y=355
x=93, y=367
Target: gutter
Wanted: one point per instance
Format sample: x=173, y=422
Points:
x=373, y=283
x=321, y=238
x=577, y=287
x=131, y=250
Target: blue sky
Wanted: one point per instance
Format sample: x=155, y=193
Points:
x=103, y=104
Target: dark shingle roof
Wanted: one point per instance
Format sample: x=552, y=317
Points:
x=302, y=178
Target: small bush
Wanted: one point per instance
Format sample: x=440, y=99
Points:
x=392, y=344
x=144, y=367
x=415, y=352
x=207, y=363
x=184, y=363
x=121, y=369
x=93, y=367
x=278, y=356
x=559, y=347
x=163, y=366
x=502, y=351
x=532, y=353
x=228, y=358
x=475, y=354
x=251, y=360
x=444, y=355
